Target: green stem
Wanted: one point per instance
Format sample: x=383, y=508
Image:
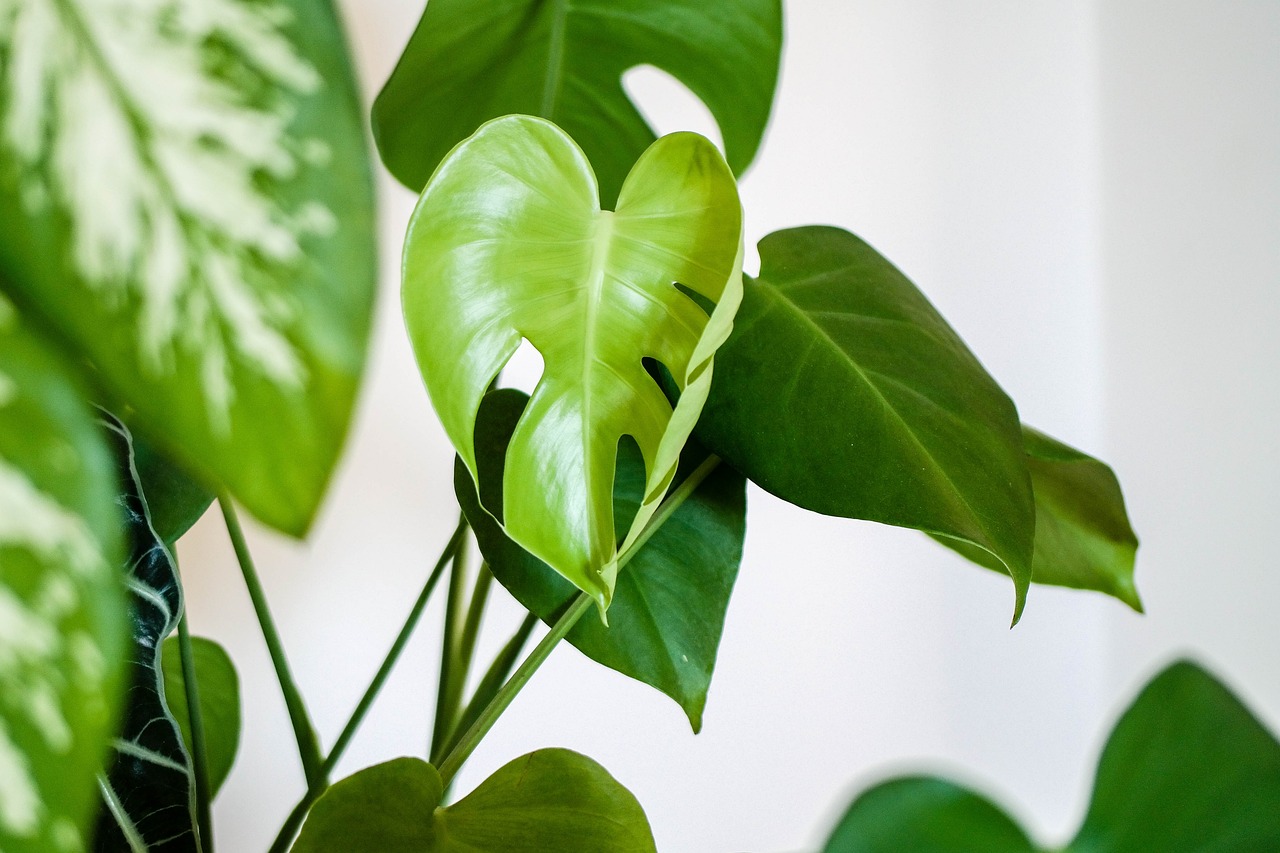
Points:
x=445, y=701
x=464, y=654
x=294, y=822
x=199, y=755
x=494, y=677
x=304, y=733
x=402, y=639
x=503, y=698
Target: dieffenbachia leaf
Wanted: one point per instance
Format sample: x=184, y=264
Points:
x=549, y=801
x=219, y=690
x=843, y=391
x=508, y=242
x=669, y=607
x=63, y=615
x=185, y=196
x=474, y=60
x=1188, y=769
x=148, y=794
x=1083, y=536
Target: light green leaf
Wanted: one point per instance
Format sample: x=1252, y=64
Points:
x=669, y=607
x=185, y=196
x=843, y=391
x=1083, y=536
x=63, y=615
x=474, y=60
x=219, y=690
x=1188, y=769
x=550, y=801
x=924, y=815
x=509, y=242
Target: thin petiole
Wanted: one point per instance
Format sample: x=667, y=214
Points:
x=494, y=677
x=446, y=702
x=304, y=733
x=465, y=653
x=199, y=755
x=294, y=822
x=503, y=698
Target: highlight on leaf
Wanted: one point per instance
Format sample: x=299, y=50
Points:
x=509, y=243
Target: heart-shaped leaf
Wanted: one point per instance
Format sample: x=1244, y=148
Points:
x=1083, y=536
x=63, y=615
x=1188, y=769
x=669, y=606
x=148, y=793
x=185, y=195
x=219, y=690
x=843, y=391
x=549, y=801
x=474, y=60
x=508, y=242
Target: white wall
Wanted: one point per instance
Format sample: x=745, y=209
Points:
x=1091, y=197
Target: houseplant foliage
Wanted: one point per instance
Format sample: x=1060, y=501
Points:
x=1187, y=767
x=186, y=241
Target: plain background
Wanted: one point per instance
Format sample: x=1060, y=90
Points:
x=1090, y=193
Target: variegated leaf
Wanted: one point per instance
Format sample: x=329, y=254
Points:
x=62, y=608
x=185, y=193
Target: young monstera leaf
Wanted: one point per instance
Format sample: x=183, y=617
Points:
x=1188, y=769
x=549, y=801
x=63, y=615
x=509, y=242
x=474, y=60
x=148, y=793
x=185, y=196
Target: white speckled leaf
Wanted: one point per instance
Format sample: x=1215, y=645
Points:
x=62, y=608
x=186, y=196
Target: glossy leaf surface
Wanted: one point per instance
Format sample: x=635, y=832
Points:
x=508, y=243
x=474, y=60
x=669, y=606
x=63, y=614
x=148, y=793
x=550, y=801
x=843, y=391
x=1188, y=769
x=1083, y=536
x=185, y=195
x=219, y=690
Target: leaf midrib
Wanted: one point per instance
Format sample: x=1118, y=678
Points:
x=779, y=297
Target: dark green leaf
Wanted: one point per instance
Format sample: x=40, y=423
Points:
x=474, y=60
x=1083, y=536
x=219, y=691
x=63, y=613
x=185, y=195
x=1187, y=769
x=550, y=801
x=175, y=500
x=843, y=391
x=148, y=792
x=924, y=815
x=669, y=608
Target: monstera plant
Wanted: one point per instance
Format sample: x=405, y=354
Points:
x=186, y=278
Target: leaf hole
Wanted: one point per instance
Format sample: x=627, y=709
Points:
x=697, y=298
x=667, y=104
x=662, y=377
x=524, y=370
